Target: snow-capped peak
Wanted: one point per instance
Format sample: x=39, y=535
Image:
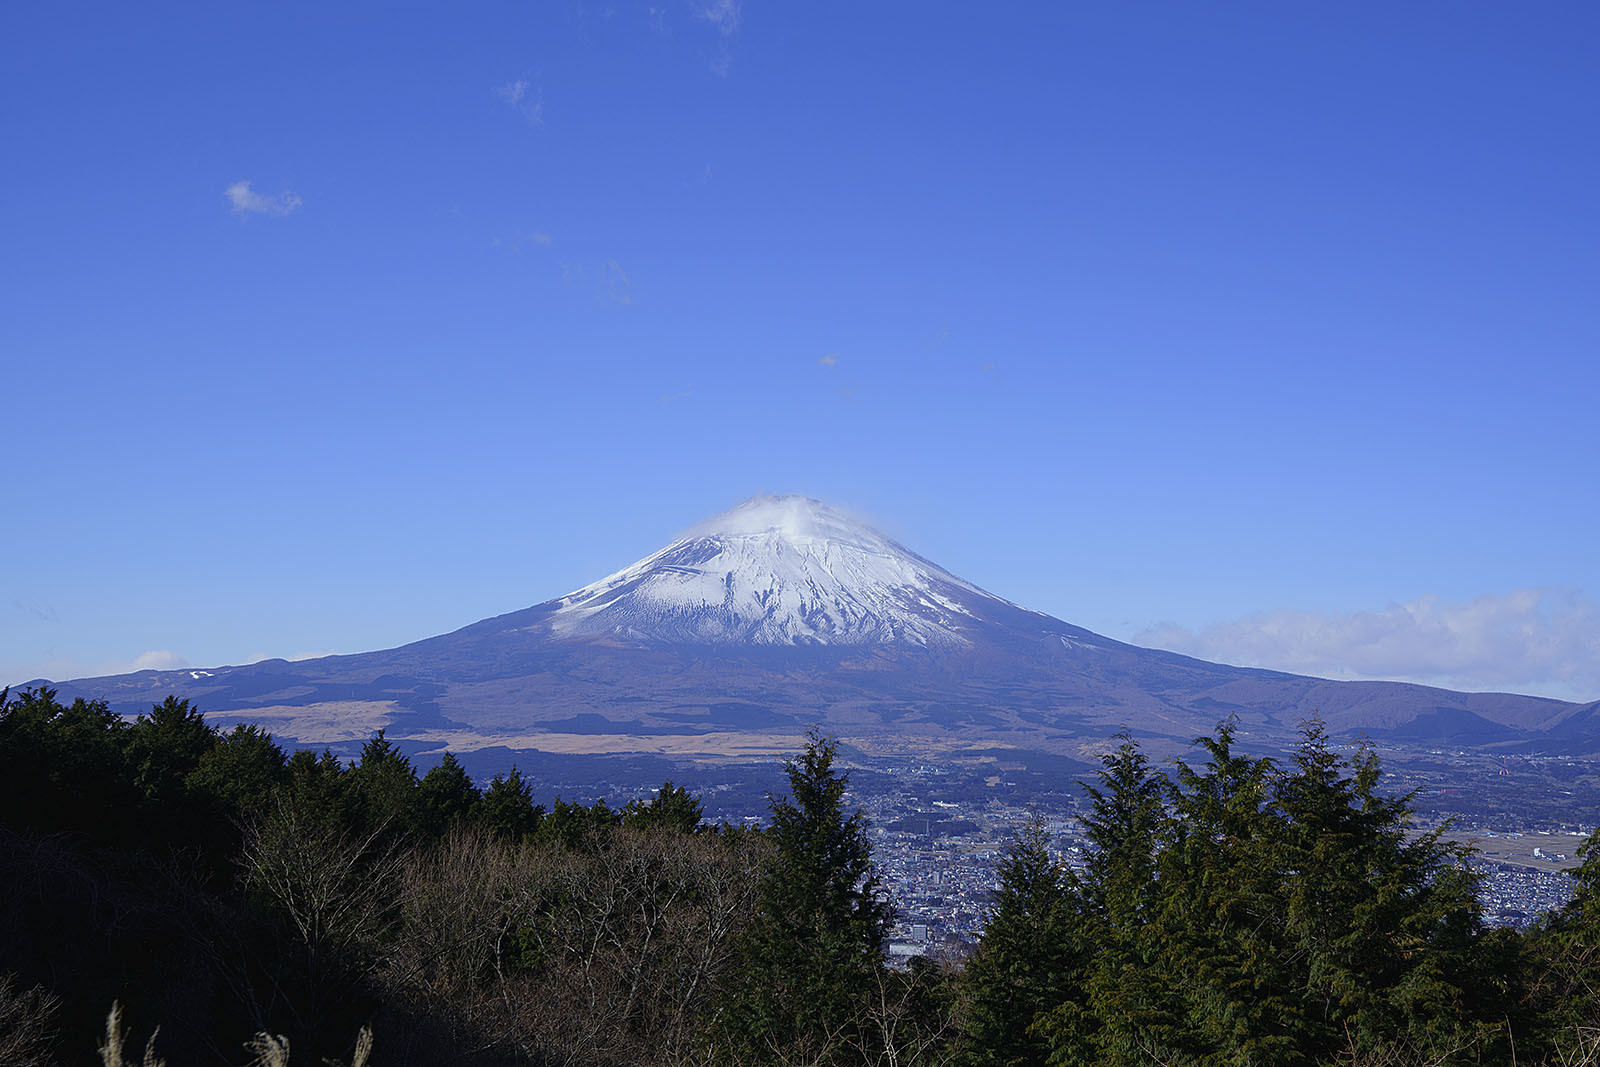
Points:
x=781, y=570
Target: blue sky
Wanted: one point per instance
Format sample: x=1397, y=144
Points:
x=1265, y=332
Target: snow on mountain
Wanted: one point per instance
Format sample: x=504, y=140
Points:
x=778, y=570
x=814, y=618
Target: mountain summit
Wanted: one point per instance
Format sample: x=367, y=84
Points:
x=784, y=613
x=778, y=570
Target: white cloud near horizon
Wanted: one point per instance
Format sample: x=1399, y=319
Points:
x=1544, y=641
x=246, y=201
x=64, y=668
x=160, y=659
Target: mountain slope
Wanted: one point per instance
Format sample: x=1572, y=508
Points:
x=784, y=613
x=776, y=571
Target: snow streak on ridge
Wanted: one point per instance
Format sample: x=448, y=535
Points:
x=779, y=570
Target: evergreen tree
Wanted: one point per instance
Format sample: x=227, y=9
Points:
x=65, y=767
x=1249, y=915
x=672, y=808
x=574, y=827
x=1124, y=828
x=1565, y=952
x=1029, y=960
x=1383, y=922
x=446, y=796
x=241, y=770
x=1127, y=1010
x=1219, y=881
x=817, y=938
x=507, y=809
x=166, y=746
x=384, y=786
x=318, y=788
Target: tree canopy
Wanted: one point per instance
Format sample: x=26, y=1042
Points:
x=1228, y=910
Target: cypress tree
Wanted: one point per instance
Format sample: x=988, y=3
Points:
x=1128, y=1010
x=384, y=785
x=446, y=796
x=1384, y=922
x=242, y=770
x=1029, y=960
x=1251, y=915
x=166, y=746
x=672, y=808
x=817, y=939
x=507, y=809
x=1220, y=881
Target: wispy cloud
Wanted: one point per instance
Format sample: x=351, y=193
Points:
x=246, y=201
x=517, y=239
x=526, y=99
x=615, y=285
x=44, y=613
x=830, y=360
x=1544, y=641
x=609, y=282
x=724, y=15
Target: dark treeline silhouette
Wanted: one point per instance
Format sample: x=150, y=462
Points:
x=272, y=908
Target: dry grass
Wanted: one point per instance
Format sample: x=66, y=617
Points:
x=27, y=1023
x=272, y=1050
x=321, y=724
x=266, y=1050
x=111, y=1054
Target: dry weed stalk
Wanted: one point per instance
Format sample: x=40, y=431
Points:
x=268, y=1050
x=272, y=1050
x=111, y=1050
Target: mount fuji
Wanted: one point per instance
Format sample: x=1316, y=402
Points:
x=784, y=613
x=780, y=571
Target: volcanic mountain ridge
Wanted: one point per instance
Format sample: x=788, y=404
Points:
x=785, y=613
